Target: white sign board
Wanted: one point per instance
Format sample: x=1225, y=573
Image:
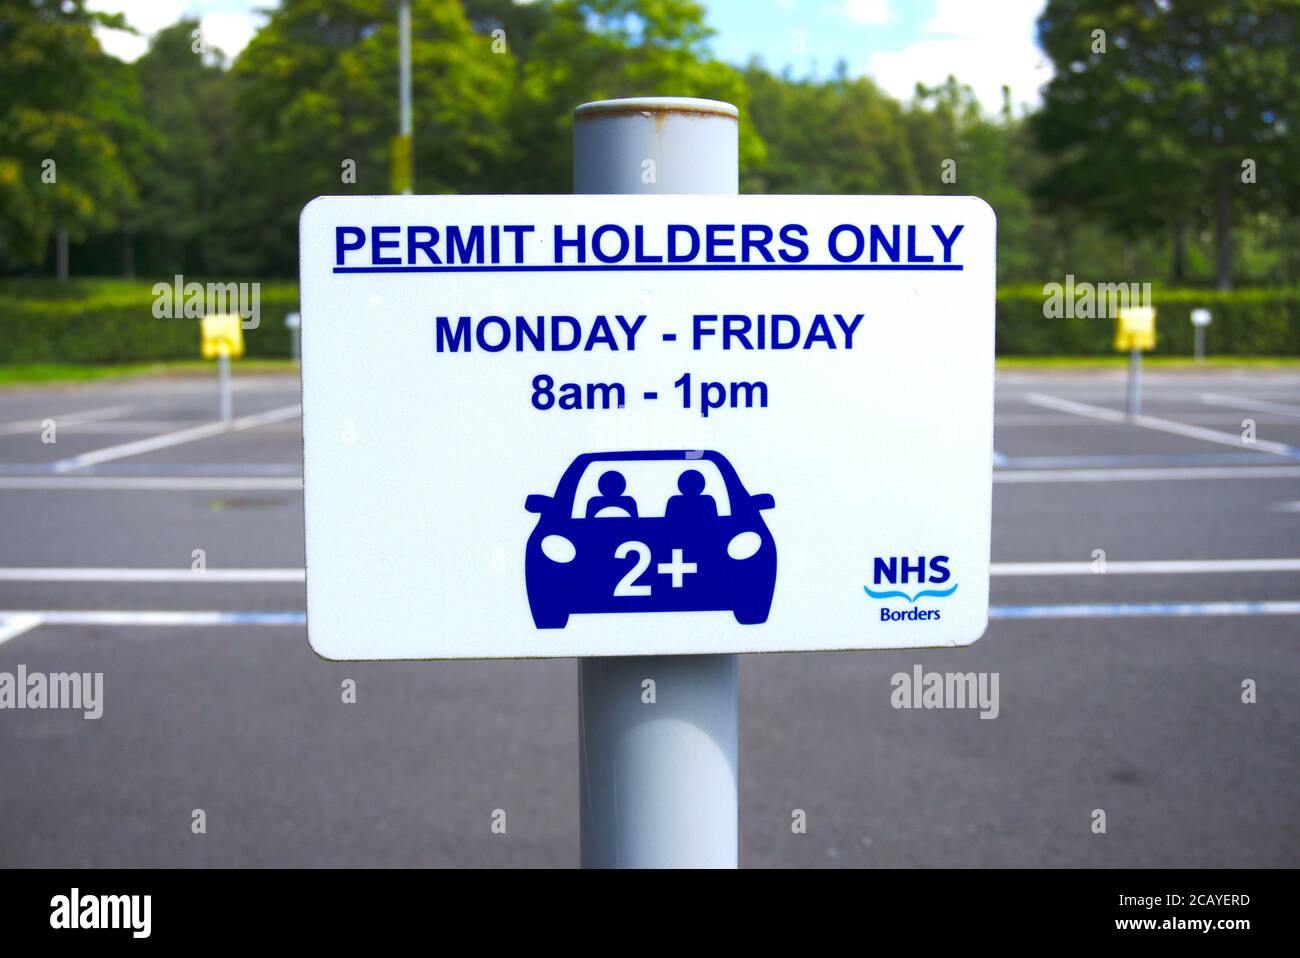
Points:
x=1200, y=317
x=624, y=425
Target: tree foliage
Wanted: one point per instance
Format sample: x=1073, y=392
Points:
x=1158, y=107
x=317, y=88
x=187, y=161
x=69, y=122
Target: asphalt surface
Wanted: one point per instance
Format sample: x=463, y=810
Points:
x=1119, y=691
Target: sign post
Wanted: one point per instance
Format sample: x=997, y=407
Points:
x=225, y=405
x=222, y=338
x=649, y=426
x=1200, y=320
x=658, y=783
x=1135, y=331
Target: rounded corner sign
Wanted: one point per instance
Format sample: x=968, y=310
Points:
x=644, y=425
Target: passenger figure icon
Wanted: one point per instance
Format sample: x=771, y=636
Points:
x=691, y=504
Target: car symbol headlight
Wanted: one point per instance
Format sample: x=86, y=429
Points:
x=744, y=545
x=558, y=549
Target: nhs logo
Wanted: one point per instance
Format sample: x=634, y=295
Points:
x=910, y=577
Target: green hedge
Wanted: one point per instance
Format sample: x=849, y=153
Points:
x=99, y=321
x=107, y=321
x=1263, y=322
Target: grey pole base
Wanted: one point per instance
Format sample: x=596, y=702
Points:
x=1134, y=383
x=657, y=767
x=224, y=403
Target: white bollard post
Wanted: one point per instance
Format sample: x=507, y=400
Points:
x=224, y=410
x=1201, y=319
x=293, y=322
x=657, y=782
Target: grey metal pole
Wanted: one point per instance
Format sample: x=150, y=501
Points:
x=1134, y=383
x=404, y=70
x=223, y=387
x=657, y=763
x=1200, y=344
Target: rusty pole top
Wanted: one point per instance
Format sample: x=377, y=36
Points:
x=651, y=105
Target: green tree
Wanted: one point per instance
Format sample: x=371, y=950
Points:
x=65, y=110
x=316, y=99
x=992, y=157
x=1151, y=125
x=185, y=100
x=841, y=135
x=583, y=50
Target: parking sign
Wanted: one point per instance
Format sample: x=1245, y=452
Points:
x=623, y=425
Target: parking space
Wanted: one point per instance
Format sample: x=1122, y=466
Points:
x=1142, y=572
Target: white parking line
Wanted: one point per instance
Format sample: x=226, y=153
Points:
x=1048, y=420
x=124, y=427
x=177, y=438
x=1250, y=405
x=15, y=624
x=1145, y=567
x=154, y=483
x=115, y=574
x=1145, y=475
x=294, y=483
x=1162, y=425
x=64, y=420
x=112, y=617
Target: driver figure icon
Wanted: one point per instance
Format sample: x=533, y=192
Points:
x=651, y=531
x=611, y=503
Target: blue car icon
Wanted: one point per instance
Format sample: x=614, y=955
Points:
x=656, y=531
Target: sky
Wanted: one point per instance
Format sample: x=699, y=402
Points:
x=897, y=42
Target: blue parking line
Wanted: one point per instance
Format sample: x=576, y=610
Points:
x=155, y=470
x=263, y=618
x=1142, y=610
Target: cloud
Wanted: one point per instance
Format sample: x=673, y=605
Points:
x=983, y=51
x=228, y=31
x=147, y=16
x=867, y=11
